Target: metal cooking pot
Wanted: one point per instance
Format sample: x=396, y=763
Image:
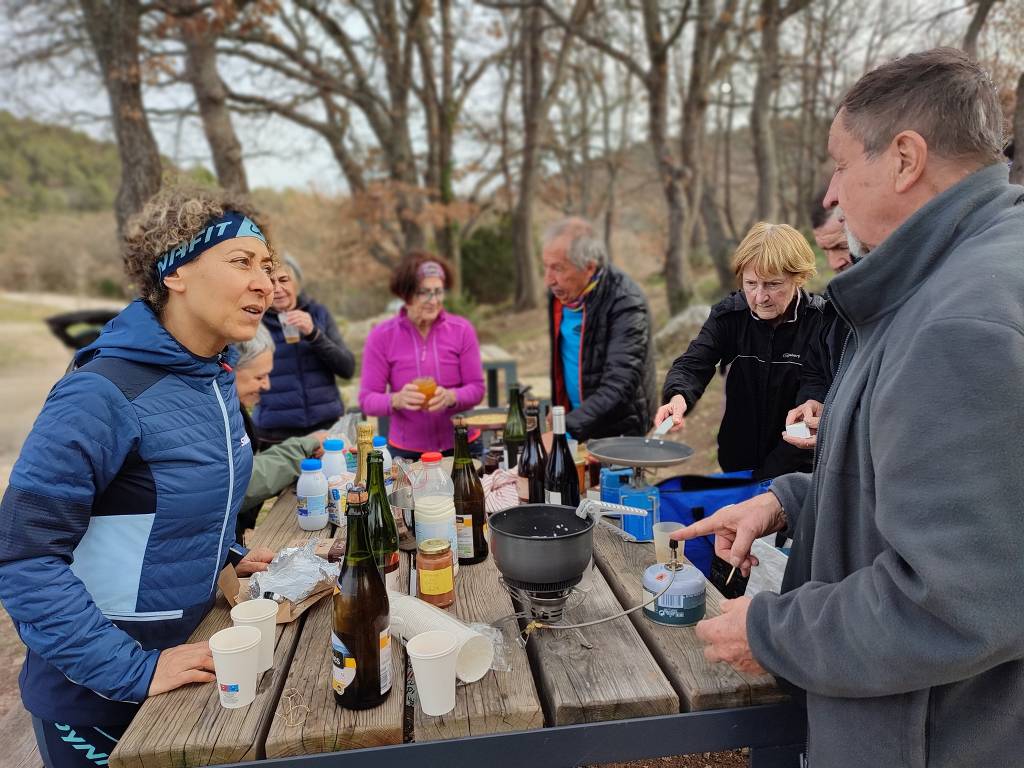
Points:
x=541, y=543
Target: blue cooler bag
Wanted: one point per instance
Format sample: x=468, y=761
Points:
x=688, y=498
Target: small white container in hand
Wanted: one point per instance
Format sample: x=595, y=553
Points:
x=799, y=429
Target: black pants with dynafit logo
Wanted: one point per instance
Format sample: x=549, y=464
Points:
x=75, y=746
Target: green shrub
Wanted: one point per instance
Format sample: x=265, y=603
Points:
x=488, y=263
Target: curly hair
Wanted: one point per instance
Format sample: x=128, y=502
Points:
x=174, y=215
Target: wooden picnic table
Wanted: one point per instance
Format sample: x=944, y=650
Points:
x=633, y=669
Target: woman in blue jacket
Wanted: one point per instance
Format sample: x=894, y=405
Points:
x=121, y=508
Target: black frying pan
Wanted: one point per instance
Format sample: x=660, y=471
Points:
x=639, y=451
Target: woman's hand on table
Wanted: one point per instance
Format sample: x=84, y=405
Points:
x=255, y=561
x=442, y=400
x=408, y=398
x=181, y=665
x=301, y=320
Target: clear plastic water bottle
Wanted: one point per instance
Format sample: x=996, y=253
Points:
x=311, y=491
x=381, y=444
x=434, y=498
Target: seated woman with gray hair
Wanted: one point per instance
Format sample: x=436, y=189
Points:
x=304, y=396
x=276, y=467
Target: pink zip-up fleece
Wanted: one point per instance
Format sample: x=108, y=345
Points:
x=396, y=353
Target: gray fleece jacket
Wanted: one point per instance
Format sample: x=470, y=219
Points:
x=902, y=613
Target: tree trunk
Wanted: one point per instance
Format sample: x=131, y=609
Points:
x=970, y=44
x=761, y=131
x=532, y=88
x=201, y=70
x=720, y=245
x=1017, y=169
x=113, y=29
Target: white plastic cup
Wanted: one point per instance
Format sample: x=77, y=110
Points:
x=433, y=655
x=662, y=551
x=235, y=656
x=262, y=614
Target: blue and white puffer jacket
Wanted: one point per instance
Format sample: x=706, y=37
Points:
x=119, y=516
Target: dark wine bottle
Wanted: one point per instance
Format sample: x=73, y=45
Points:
x=532, y=460
x=515, y=427
x=361, y=640
x=561, y=483
x=381, y=521
x=470, y=517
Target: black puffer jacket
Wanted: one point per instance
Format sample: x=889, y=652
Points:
x=765, y=369
x=617, y=385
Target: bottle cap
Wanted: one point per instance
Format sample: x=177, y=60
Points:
x=380, y=441
x=334, y=445
x=356, y=495
x=311, y=465
x=433, y=457
x=435, y=546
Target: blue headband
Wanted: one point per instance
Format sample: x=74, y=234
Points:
x=226, y=227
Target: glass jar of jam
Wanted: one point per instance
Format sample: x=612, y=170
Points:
x=435, y=577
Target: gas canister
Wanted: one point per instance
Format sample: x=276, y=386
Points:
x=683, y=602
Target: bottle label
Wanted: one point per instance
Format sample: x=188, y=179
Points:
x=336, y=503
x=343, y=664
x=552, y=497
x=439, y=582
x=523, y=489
x=464, y=526
x=311, y=506
x=385, y=660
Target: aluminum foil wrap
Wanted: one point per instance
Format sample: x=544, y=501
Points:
x=294, y=574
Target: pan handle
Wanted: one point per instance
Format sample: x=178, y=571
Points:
x=595, y=509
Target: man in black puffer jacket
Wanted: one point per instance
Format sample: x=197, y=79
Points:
x=599, y=325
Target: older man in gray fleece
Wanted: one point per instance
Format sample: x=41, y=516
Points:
x=902, y=612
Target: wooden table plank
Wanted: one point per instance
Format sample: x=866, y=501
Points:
x=187, y=726
x=327, y=727
x=616, y=679
x=499, y=701
x=700, y=683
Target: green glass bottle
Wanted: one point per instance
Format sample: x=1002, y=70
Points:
x=514, y=434
x=361, y=637
x=381, y=524
x=470, y=517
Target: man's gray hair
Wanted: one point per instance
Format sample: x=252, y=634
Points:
x=585, y=247
x=292, y=263
x=256, y=346
x=942, y=94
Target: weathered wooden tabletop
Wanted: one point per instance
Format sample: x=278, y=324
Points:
x=634, y=668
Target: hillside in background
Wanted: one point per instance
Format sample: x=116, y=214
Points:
x=48, y=168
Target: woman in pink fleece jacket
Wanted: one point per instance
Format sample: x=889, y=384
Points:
x=422, y=340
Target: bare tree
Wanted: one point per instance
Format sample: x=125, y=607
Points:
x=981, y=11
x=113, y=28
x=199, y=27
x=771, y=17
x=655, y=76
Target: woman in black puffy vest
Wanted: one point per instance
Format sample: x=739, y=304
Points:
x=303, y=394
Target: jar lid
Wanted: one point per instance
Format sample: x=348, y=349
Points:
x=435, y=546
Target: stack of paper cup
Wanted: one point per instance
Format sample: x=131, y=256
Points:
x=235, y=655
x=433, y=655
x=262, y=614
x=411, y=616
